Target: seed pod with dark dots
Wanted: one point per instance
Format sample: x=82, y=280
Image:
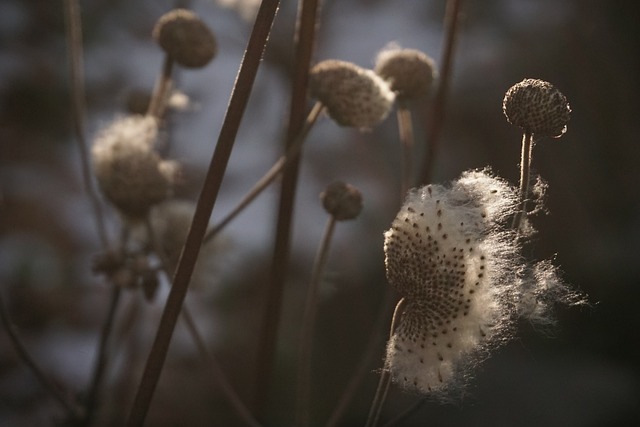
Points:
x=185, y=38
x=538, y=107
x=409, y=72
x=341, y=200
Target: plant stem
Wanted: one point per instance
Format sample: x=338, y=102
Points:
x=413, y=408
x=73, y=409
x=385, y=376
x=405, y=127
x=308, y=11
x=158, y=101
x=208, y=195
x=210, y=361
x=291, y=154
x=308, y=323
x=452, y=18
x=525, y=177
x=73, y=26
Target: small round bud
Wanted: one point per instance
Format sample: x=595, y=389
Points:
x=537, y=106
x=409, y=72
x=186, y=38
x=342, y=201
x=352, y=95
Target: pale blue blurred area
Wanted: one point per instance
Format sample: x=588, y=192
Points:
x=586, y=375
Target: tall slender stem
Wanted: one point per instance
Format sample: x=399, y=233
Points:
x=307, y=22
x=308, y=324
x=73, y=409
x=385, y=376
x=208, y=195
x=525, y=177
x=161, y=90
x=292, y=152
x=452, y=18
x=405, y=127
x=73, y=26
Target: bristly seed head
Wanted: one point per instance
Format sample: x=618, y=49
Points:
x=353, y=96
x=186, y=38
x=537, y=106
x=409, y=72
x=341, y=200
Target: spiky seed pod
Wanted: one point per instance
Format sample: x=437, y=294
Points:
x=129, y=171
x=537, y=106
x=353, y=96
x=409, y=72
x=186, y=38
x=341, y=200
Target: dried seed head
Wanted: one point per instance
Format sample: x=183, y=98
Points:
x=352, y=95
x=537, y=106
x=341, y=200
x=186, y=38
x=409, y=72
x=129, y=171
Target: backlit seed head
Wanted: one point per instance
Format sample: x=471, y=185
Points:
x=186, y=38
x=341, y=200
x=129, y=171
x=537, y=106
x=353, y=96
x=409, y=72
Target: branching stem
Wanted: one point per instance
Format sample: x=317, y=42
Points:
x=525, y=178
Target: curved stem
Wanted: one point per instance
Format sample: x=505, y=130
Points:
x=73, y=409
x=158, y=101
x=385, y=376
x=308, y=323
x=405, y=127
x=452, y=18
x=208, y=196
x=271, y=175
x=525, y=177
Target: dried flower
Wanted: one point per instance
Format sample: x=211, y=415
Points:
x=409, y=72
x=341, y=200
x=184, y=37
x=460, y=271
x=129, y=171
x=537, y=106
x=353, y=96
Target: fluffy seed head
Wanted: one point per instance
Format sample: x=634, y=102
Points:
x=186, y=38
x=353, y=96
x=129, y=171
x=537, y=106
x=409, y=72
x=341, y=200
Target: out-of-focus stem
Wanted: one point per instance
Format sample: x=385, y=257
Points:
x=405, y=127
x=158, y=102
x=525, y=177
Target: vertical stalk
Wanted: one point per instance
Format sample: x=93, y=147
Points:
x=305, y=36
x=308, y=323
x=161, y=89
x=206, y=201
x=405, y=127
x=452, y=18
x=525, y=177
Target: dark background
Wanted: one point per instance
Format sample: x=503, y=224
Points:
x=585, y=373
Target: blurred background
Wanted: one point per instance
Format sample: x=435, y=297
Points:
x=584, y=374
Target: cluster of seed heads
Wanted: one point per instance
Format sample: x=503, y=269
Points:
x=538, y=107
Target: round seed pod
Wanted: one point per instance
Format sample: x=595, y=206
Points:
x=409, y=72
x=353, y=96
x=537, y=106
x=341, y=200
x=185, y=38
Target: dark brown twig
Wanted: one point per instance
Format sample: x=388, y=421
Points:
x=206, y=201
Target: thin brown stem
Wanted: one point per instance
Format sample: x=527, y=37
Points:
x=308, y=325
x=210, y=361
x=452, y=19
x=408, y=412
x=208, y=195
x=307, y=22
x=292, y=152
x=161, y=90
x=525, y=177
x=385, y=376
x=405, y=128
x=72, y=408
x=73, y=26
